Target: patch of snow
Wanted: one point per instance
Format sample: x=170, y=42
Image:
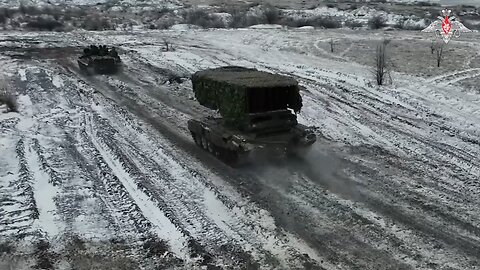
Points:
x=308, y=27
x=267, y=26
x=185, y=27
x=57, y=81
x=22, y=73
x=3, y=108
x=412, y=23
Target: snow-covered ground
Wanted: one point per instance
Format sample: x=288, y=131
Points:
x=100, y=172
x=16, y=3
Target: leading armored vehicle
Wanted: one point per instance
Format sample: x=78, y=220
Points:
x=99, y=60
x=258, y=113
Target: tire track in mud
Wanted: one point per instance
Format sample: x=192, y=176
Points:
x=194, y=246
x=123, y=215
x=463, y=243
x=171, y=198
x=466, y=157
x=378, y=198
x=345, y=238
x=126, y=220
x=466, y=246
x=254, y=186
x=117, y=221
x=353, y=192
x=20, y=200
x=122, y=102
x=123, y=209
x=163, y=131
x=306, y=237
x=123, y=170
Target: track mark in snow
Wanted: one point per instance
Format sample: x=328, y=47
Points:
x=456, y=76
x=162, y=225
x=44, y=193
x=17, y=199
x=213, y=221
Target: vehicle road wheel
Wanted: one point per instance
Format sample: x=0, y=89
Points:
x=196, y=139
x=210, y=147
x=204, y=142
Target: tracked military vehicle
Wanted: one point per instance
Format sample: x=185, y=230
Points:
x=99, y=60
x=258, y=113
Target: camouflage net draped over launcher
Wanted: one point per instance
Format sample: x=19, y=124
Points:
x=237, y=91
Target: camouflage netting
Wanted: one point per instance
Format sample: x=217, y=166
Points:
x=225, y=89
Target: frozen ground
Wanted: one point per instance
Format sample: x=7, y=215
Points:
x=99, y=172
x=16, y=3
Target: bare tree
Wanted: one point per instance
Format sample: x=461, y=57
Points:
x=439, y=52
x=331, y=42
x=381, y=62
x=168, y=45
x=432, y=47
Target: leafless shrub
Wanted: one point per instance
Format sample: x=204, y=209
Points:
x=271, y=13
x=238, y=19
x=196, y=16
x=353, y=24
x=405, y=25
x=318, y=21
x=332, y=43
x=54, y=11
x=8, y=98
x=216, y=22
x=164, y=22
x=382, y=70
x=168, y=46
x=377, y=22
x=439, y=46
x=328, y=22
x=45, y=23
x=96, y=22
x=202, y=18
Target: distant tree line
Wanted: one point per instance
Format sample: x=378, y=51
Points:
x=97, y=18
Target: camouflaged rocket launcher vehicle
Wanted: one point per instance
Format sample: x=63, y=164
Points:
x=99, y=60
x=258, y=112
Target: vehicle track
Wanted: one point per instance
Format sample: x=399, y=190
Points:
x=462, y=224
x=375, y=208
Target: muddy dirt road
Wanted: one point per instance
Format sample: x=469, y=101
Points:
x=101, y=172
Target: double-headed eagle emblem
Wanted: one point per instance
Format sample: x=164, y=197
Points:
x=446, y=27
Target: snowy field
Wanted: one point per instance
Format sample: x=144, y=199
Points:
x=99, y=172
x=16, y=3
